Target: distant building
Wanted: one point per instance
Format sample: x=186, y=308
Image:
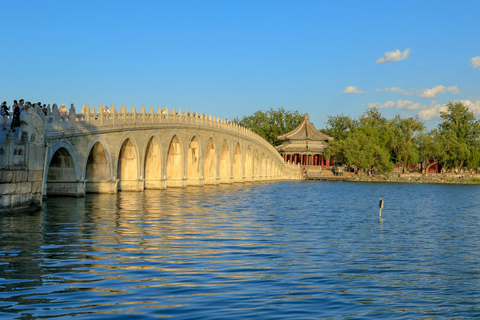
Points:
x=305, y=145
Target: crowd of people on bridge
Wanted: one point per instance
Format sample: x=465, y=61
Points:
x=18, y=109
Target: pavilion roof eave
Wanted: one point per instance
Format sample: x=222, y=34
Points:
x=305, y=131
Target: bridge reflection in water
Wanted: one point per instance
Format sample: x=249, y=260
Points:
x=105, y=152
x=252, y=250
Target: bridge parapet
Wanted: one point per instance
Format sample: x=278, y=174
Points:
x=92, y=119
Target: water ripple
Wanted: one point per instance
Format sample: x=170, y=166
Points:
x=302, y=250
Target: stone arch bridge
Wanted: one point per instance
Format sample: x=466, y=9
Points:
x=103, y=152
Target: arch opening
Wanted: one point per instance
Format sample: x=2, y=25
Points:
x=61, y=174
x=127, y=170
x=225, y=167
x=210, y=161
x=257, y=165
x=127, y=161
x=153, y=164
x=97, y=164
x=193, y=160
x=237, y=163
x=248, y=163
x=174, y=159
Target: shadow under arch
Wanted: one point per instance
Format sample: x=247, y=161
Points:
x=193, y=162
x=210, y=170
x=248, y=164
x=128, y=165
x=153, y=164
x=98, y=167
x=61, y=175
x=174, y=163
x=225, y=164
x=237, y=168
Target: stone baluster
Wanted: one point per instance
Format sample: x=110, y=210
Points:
x=173, y=114
x=83, y=110
x=100, y=114
x=24, y=141
x=87, y=114
x=114, y=114
x=179, y=115
x=166, y=114
x=9, y=148
x=73, y=117
x=134, y=114
x=94, y=116
x=124, y=111
x=142, y=113
x=56, y=117
x=160, y=114
x=152, y=114
x=49, y=111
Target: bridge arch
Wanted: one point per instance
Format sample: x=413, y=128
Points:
x=62, y=174
x=210, y=171
x=225, y=168
x=128, y=163
x=248, y=164
x=174, y=162
x=194, y=161
x=256, y=165
x=98, y=166
x=263, y=168
x=238, y=167
x=269, y=168
x=152, y=167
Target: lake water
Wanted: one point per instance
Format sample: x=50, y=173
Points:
x=283, y=250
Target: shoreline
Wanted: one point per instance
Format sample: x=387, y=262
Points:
x=439, y=178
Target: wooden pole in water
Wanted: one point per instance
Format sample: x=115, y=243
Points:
x=380, y=204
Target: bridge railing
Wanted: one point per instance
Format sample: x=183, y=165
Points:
x=104, y=119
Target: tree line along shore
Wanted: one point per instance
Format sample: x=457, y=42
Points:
x=390, y=149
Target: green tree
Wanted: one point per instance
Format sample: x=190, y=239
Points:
x=271, y=123
x=457, y=118
x=366, y=145
x=473, y=160
x=437, y=147
x=340, y=126
x=404, y=140
x=460, y=122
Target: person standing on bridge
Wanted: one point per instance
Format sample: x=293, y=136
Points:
x=63, y=110
x=4, y=113
x=16, y=116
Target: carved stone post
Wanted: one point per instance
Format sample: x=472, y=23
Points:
x=142, y=113
x=72, y=116
x=87, y=114
x=114, y=114
x=134, y=114
x=56, y=116
x=100, y=114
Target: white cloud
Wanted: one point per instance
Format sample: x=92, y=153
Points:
x=431, y=112
x=392, y=56
x=433, y=92
x=400, y=104
x=472, y=105
x=426, y=112
x=352, y=89
x=475, y=62
x=395, y=90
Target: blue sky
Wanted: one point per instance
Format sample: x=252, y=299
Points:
x=232, y=58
